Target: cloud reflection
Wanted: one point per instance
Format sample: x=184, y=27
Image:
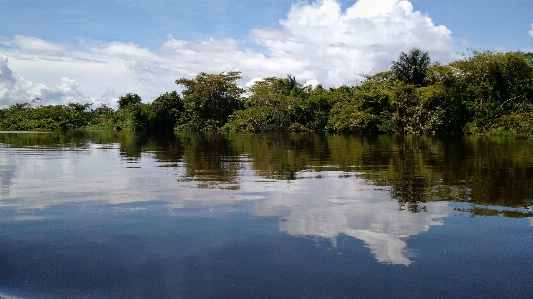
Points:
x=325, y=204
x=331, y=206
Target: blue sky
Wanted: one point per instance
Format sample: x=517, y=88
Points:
x=96, y=51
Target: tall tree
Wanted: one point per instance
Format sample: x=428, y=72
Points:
x=167, y=109
x=128, y=100
x=412, y=67
x=209, y=99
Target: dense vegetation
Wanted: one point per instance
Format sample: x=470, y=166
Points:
x=483, y=93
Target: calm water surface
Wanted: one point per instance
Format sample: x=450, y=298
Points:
x=123, y=215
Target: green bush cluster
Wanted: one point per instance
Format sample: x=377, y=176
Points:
x=483, y=93
x=23, y=117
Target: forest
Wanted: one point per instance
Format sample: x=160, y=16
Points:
x=485, y=92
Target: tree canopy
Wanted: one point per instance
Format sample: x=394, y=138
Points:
x=485, y=92
x=209, y=99
x=412, y=67
x=128, y=100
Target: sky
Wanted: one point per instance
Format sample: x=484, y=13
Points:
x=96, y=51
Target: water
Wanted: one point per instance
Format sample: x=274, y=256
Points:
x=124, y=215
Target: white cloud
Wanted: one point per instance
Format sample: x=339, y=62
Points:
x=35, y=44
x=531, y=31
x=333, y=45
x=16, y=89
x=317, y=42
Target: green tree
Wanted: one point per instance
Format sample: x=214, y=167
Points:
x=281, y=104
x=103, y=118
x=364, y=109
x=208, y=100
x=128, y=100
x=493, y=84
x=132, y=114
x=167, y=109
x=412, y=67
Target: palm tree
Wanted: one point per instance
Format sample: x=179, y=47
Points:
x=412, y=68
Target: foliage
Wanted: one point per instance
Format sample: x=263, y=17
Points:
x=128, y=100
x=493, y=84
x=262, y=118
x=281, y=104
x=484, y=92
x=132, y=114
x=412, y=67
x=167, y=109
x=515, y=124
x=162, y=114
x=53, y=117
x=208, y=100
x=102, y=118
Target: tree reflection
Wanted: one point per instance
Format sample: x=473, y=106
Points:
x=379, y=189
x=415, y=169
x=281, y=156
x=71, y=140
x=210, y=159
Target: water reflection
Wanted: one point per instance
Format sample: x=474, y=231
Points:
x=483, y=171
x=378, y=189
x=336, y=204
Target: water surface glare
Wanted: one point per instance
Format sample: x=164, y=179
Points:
x=125, y=215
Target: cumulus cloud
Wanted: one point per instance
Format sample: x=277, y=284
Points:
x=332, y=45
x=16, y=89
x=317, y=42
x=531, y=31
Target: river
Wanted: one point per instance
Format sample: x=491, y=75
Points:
x=293, y=215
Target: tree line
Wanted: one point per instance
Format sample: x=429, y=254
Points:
x=486, y=92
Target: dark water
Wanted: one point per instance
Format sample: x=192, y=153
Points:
x=120, y=215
